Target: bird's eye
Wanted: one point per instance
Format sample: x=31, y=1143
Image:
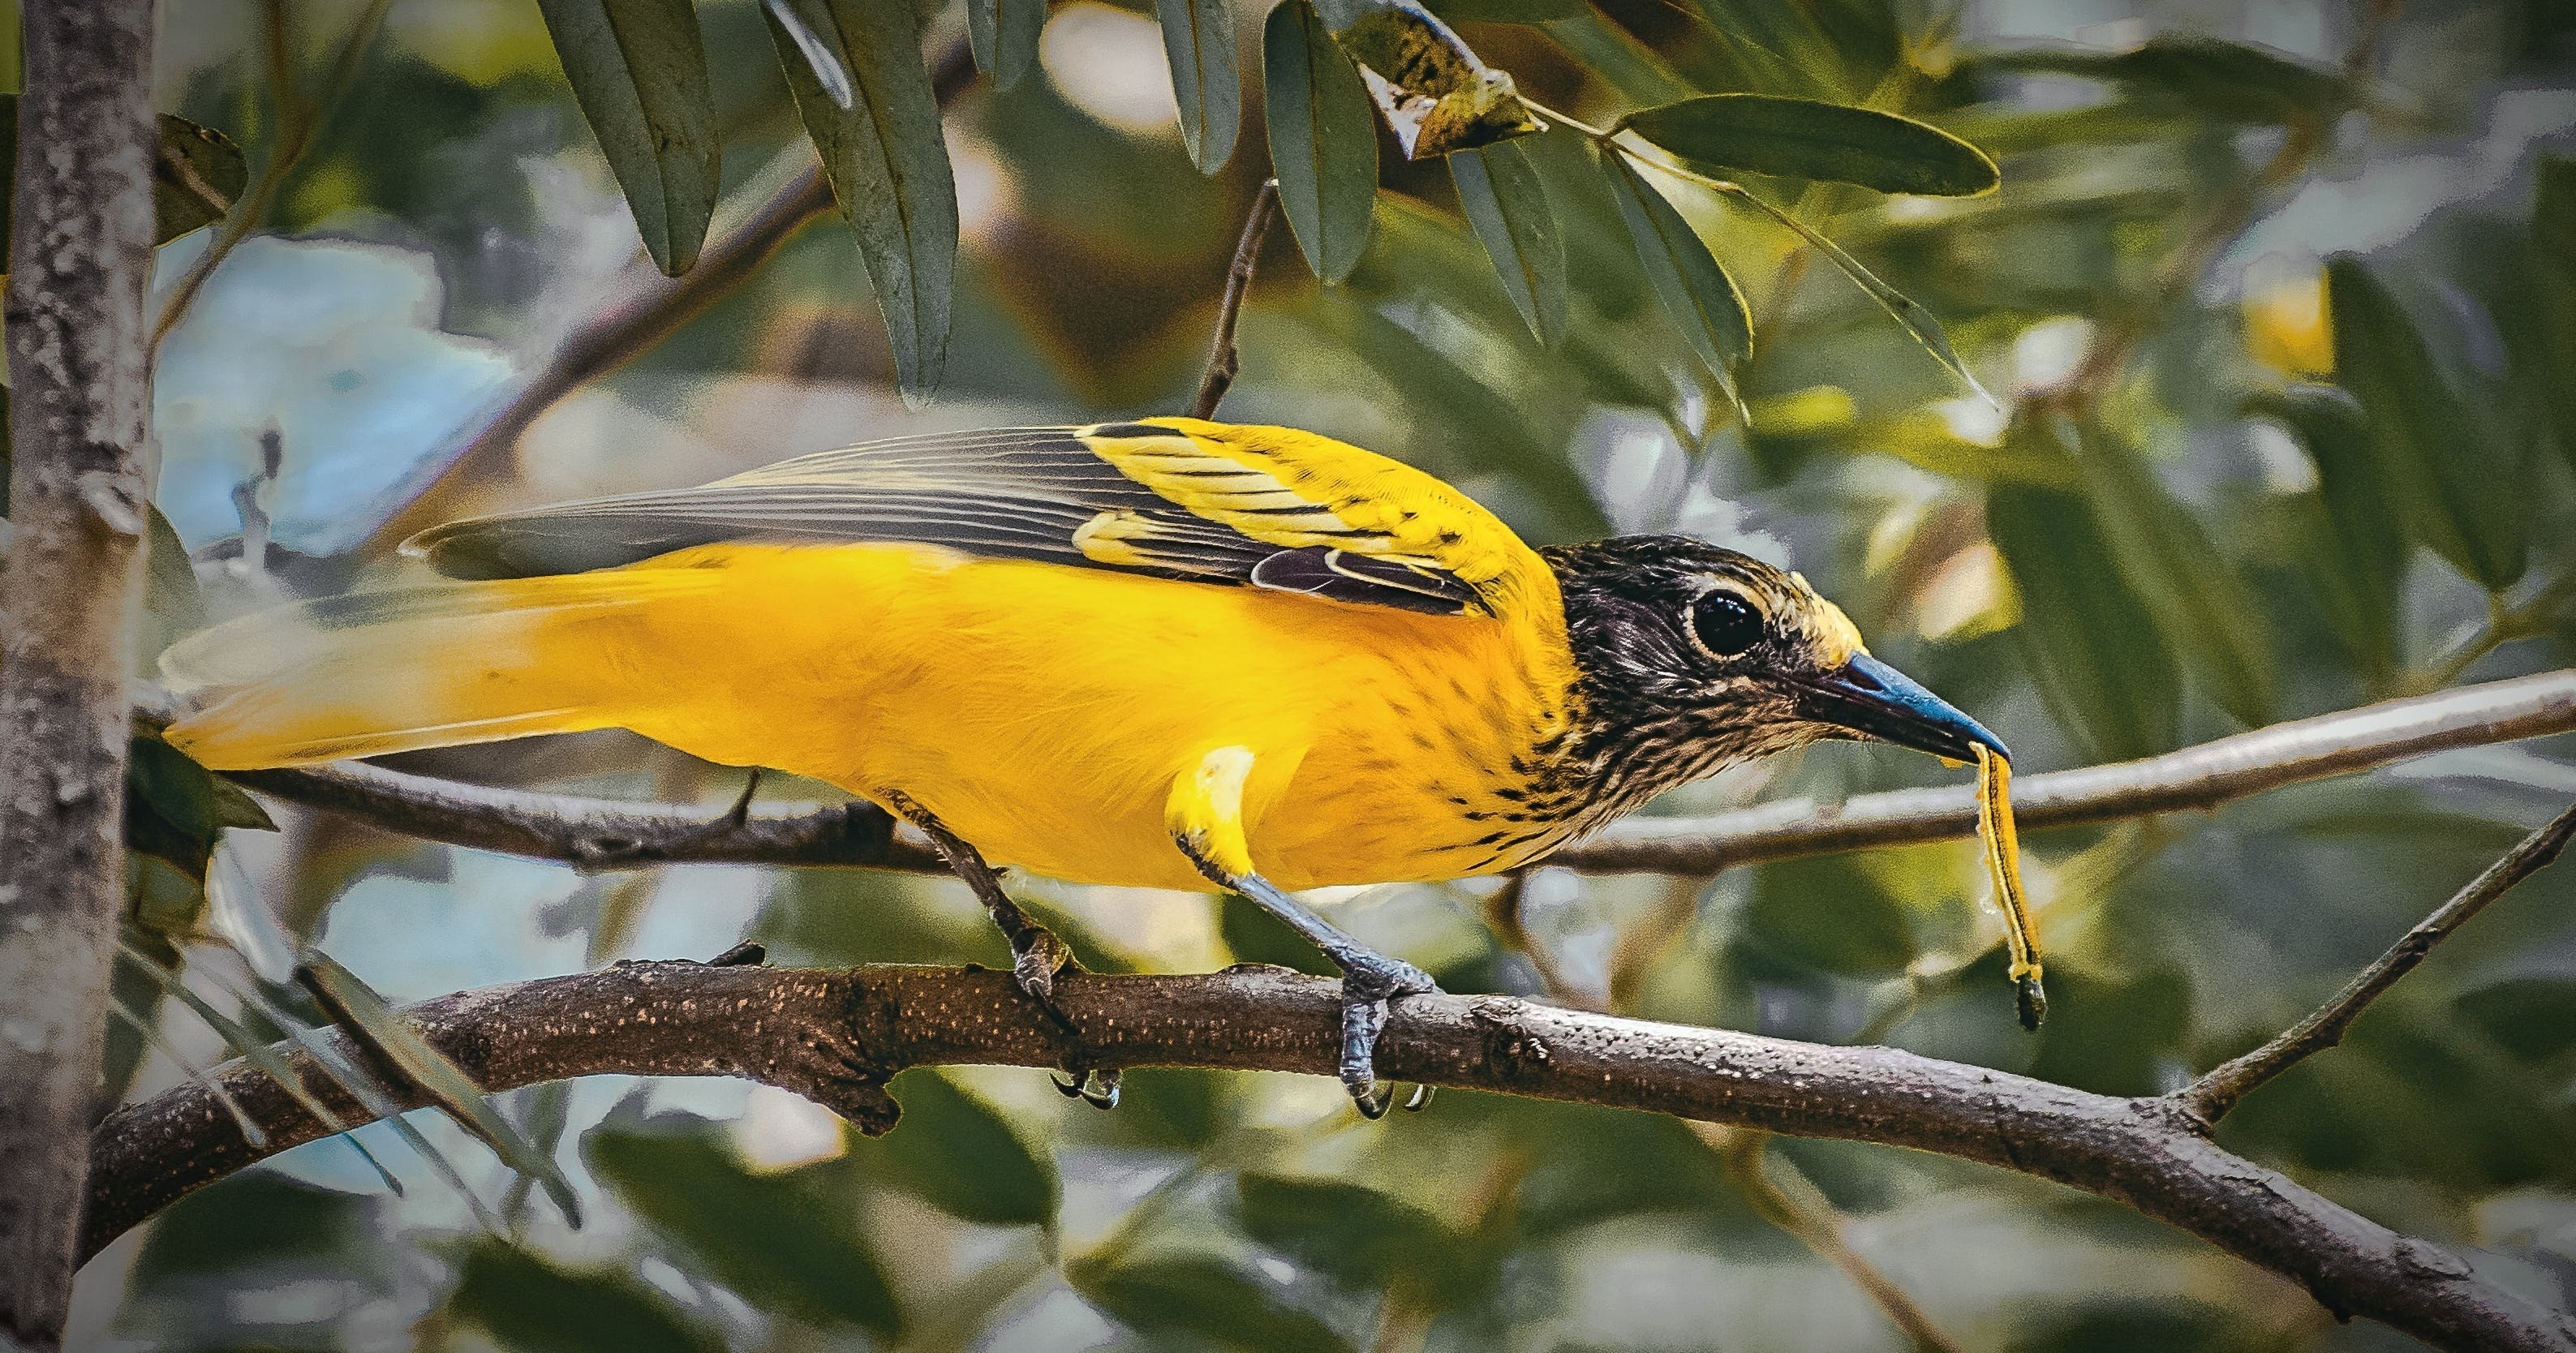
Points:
x=1725, y=623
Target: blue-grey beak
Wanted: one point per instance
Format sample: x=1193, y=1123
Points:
x=1874, y=700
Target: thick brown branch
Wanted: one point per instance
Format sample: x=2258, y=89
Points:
x=80, y=394
x=835, y=1036
x=1224, y=361
x=606, y=833
x=2209, y=1098
x=2202, y=777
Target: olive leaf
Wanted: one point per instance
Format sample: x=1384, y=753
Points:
x=1695, y=290
x=2092, y=643
x=2457, y=488
x=1198, y=41
x=1506, y=205
x=391, y=1041
x=638, y=70
x=1003, y=35
x=1904, y=309
x=887, y=162
x=1437, y=94
x=1323, y=143
x=1811, y=139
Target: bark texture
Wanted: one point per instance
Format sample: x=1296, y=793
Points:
x=835, y=1036
x=80, y=259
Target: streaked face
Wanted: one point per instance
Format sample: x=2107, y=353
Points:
x=1695, y=657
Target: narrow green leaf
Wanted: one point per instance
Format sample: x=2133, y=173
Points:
x=639, y=71
x=2203, y=608
x=1228, y=1304
x=2091, y=643
x=197, y=174
x=1323, y=139
x=1360, y=1236
x=2533, y=1016
x=366, y=1017
x=1198, y=41
x=2459, y=490
x=1827, y=915
x=1004, y=37
x=1917, y=320
x=1695, y=291
x=1810, y=139
x=1436, y=93
x=2553, y=251
x=766, y=1237
x=1506, y=204
x=2216, y=80
x=2361, y=551
x=259, y=1052
x=888, y=167
x=957, y=1153
x=530, y=1306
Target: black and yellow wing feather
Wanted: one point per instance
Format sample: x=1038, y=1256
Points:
x=1175, y=498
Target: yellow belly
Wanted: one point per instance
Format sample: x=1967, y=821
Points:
x=1043, y=712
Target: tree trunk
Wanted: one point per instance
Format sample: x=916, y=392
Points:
x=80, y=260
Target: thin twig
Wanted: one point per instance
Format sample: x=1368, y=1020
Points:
x=646, y=308
x=298, y=120
x=1798, y=1207
x=836, y=1036
x=2195, y=778
x=2505, y=623
x=2209, y=1098
x=1224, y=362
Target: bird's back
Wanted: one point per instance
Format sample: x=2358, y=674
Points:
x=1040, y=699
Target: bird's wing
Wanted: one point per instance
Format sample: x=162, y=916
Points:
x=1177, y=498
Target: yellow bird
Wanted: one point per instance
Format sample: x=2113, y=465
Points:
x=1169, y=653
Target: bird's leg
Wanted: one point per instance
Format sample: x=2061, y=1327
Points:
x=1036, y=954
x=1206, y=816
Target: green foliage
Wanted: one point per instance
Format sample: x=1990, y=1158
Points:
x=2203, y=609
x=1506, y=203
x=1004, y=37
x=1323, y=138
x=198, y=176
x=2089, y=637
x=1198, y=41
x=771, y=1238
x=1694, y=288
x=2462, y=491
x=1807, y=138
x=960, y=1155
x=639, y=69
x=2553, y=252
x=524, y=1302
x=2357, y=560
x=390, y=1040
x=1225, y=1304
x=888, y=165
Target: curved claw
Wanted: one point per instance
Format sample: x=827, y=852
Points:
x=1099, y=1089
x=1419, y=1100
x=1370, y=983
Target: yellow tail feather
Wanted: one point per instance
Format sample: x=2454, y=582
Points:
x=397, y=671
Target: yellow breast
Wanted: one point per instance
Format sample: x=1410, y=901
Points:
x=1043, y=712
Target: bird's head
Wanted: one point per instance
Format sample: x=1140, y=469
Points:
x=1691, y=657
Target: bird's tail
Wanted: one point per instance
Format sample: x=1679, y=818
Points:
x=400, y=670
